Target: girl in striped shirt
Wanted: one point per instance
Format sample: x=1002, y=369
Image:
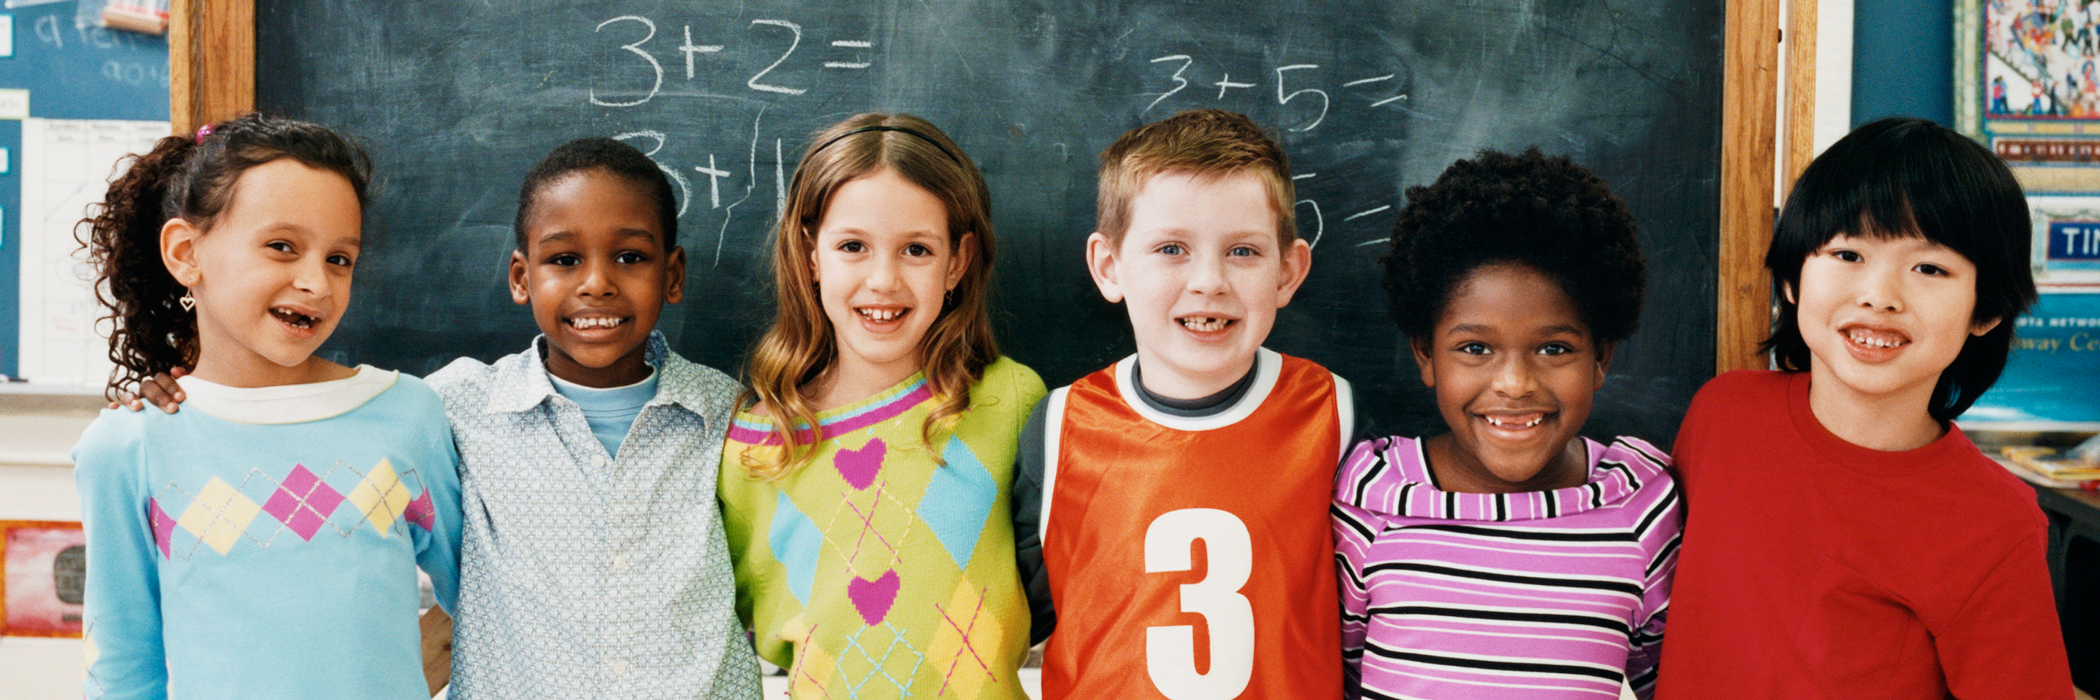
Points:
x=1509, y=557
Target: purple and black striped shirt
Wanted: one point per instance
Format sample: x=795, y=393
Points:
x=1544, y=594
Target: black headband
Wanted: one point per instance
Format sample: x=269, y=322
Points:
x=902, y=130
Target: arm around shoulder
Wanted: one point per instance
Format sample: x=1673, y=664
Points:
x=1010, y=388
x=459, y=382
x=1027, y=502
x=425, y=436
x=1692, y=432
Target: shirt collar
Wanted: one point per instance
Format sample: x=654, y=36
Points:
x=522, y=383
x=1401, y=484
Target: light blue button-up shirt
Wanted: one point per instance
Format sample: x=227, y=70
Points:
x=583, y=575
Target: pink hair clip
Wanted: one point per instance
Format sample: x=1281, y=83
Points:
x=202, y=132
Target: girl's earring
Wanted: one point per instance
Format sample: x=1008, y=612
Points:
x=189, y=303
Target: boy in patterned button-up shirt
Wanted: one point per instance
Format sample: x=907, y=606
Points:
x=593, y=563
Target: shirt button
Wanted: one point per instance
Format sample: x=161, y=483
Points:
x=619, y=668
x=620, y=562
x=598, y=461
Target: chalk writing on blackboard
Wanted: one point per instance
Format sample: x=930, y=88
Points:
x=1032, y=91
x=715, y=174
x=762, y=81
x=1284, y=96
x=1314, y=105
x=635, y=75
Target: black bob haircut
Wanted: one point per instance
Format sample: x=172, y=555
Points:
x=1902, y=177
x=1497, y=209
x=600, y=153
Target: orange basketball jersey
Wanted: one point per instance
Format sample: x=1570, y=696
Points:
x=1192, y=558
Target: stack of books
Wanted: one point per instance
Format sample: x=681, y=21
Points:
x=2045, y=467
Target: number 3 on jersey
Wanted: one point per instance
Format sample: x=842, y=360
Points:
x=1170, y=650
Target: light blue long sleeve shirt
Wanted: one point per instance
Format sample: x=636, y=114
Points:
x=239, y=555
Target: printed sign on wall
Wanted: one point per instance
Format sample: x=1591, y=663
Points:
x=2055, y=362
x=43, y=569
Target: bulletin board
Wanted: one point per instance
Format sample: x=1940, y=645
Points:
x=71, y=70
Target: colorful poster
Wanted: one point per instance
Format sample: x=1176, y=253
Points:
x=2053, y=379
x=43, y=569
x=2027, y=84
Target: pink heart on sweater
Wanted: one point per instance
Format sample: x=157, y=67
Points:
x=874, y=598
x=858, y=467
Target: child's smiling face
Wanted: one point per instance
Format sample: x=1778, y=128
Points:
x=1202, y=273
x=1513, y=366
x=1883, y=317
x=884, y=263
x=597, y=275
x=272, y=276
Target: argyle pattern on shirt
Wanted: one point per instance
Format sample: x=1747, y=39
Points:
x=221, y=515
x=884, y=567
x=234, y=559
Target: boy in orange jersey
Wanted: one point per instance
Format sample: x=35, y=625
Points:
x=1202, y=435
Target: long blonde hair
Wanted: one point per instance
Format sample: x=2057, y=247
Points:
x=801, y=346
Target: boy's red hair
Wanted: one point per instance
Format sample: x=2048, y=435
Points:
x=1206, y=143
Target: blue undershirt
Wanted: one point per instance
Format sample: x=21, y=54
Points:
x=610, y=412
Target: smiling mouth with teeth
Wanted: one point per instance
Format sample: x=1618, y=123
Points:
x=294, y=318
x=594, y=322
x=1499, y=423
x=1875, y=340
x=1202, y=324
x=882, y=315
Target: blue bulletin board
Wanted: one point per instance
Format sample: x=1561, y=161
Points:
x=72, y=70
x=2054, y=374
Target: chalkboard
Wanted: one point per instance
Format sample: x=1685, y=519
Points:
x=72, y=71
x=458, y=100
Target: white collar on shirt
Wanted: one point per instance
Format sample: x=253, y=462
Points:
x=1268, y=366
x=290, y=403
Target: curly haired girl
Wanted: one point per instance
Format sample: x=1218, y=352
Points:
x=1509, y=557
x=265, y=543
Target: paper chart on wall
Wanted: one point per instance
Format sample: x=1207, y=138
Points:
x=66, y=165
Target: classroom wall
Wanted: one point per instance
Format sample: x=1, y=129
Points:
x=72, y=72
x=1903, y=60
x=36, y=483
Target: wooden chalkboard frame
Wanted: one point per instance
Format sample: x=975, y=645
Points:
x=211, y=76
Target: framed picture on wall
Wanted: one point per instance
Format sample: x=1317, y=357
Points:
x=2027, y=85
x=43, y=567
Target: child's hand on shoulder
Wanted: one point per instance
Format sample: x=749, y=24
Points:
x=159, y=390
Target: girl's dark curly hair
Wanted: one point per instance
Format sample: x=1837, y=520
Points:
x=190, y=179
x=1546, y=213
